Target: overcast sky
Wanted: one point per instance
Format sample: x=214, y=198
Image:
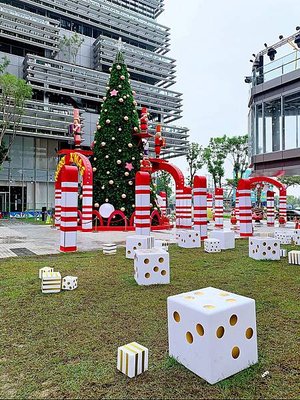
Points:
x=212, y=41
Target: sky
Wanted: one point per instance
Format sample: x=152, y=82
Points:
x=213, y=41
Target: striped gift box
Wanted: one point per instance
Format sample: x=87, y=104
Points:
x=294, y=257
x=132, y=359
x=51, y=282
x=109, y=249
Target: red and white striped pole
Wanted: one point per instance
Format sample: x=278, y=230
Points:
x=244, y=188
x=237, y=209
x=69, y=208
x=282, y=206
x=163, y=207
x=186, y=214
x=87, y=208
x=209, y=200
x=270, y=208
x=200, y=205
x=57, y=213
x=219, y=208
x=142, y=203
x=179, y=205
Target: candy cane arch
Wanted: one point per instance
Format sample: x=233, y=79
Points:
x=163, y=207
x=142, y=203
x=245, y=213
x=270, y=208
x=69, y=209
x=219, y=208
x=200, y=205
x=282, y=205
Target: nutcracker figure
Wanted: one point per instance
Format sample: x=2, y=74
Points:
x=144, y=120
x=77, y=132
x=159, y=141
x=145, y=144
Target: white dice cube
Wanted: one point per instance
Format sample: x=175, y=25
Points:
x=294, y=257
x=226, y=238
x=212, y=246
x=285, y=237
x=264, y=248
x=212, y=333
x=188, y=239
x=132, y=359
x=109, y=249
x=152, y=267
x=45, y=269
x=163, y=244
x=136, y=242
x=70, y=283
x=51, y=282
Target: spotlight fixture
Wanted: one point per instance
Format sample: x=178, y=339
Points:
x=271, y=53
x=297, y=40
x=280, y=37
x=266, y=46
x=297, y=28
x=248, y=79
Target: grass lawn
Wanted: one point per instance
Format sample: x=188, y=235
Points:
x=64, y=345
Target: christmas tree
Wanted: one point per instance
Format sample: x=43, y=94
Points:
x=117, y=153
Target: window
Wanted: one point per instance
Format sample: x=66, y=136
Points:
x=292, y=121
x=272, y=111
x=259, y=129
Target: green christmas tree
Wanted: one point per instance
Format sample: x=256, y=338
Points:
x=117, y=153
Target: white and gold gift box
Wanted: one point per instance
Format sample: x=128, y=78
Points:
x=51, y=282
x=43, y=270
x=294, y=257
x=132, y=359
x=110, y=249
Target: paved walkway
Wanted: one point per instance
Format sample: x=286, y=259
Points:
x=21, y=239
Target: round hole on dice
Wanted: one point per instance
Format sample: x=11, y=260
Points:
x=275, y=244
x=161, y=260
x=155, y=269
x=209, y=307
x=249, y=333
x=189, y=337
x=269, y=248
x=134, y=248
x=176, y=316
x=220, y=332
x=189, y=298
x=200, y=329
x=273, y=252
x=224, y=294
x=231, y=300
x=235, y=352
x=147, y=275
x=163, y=272
x=128, y=252
x=251, y=243
x=264, y=243
x=233, y=320
x=199, y=293
x=264, y=253
x=146, y=261
x=139, y=244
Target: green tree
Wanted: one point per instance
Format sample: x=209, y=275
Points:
x=214, y=156
x=290, y=181
x=117, y=153
x=13, y=94
x=293, y=201
x=194, y=159
x=164, y=184
x=69, y=46
x=237, y=148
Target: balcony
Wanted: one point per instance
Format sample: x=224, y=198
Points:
x=149, y=8
x=54, y=76
x=26, y=27
x=112, y=20
x=141, y=63
x=45, y=120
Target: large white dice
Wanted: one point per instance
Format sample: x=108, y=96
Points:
x=132, y=359
x=226, y=238
x=43, y=270
x=136, y=242
x=188, y=239
x=51, y=282
x=285, y=237
x=212, y=246
x=152, y=267
x=264, y=248
x=212, y=333
x=69, y=282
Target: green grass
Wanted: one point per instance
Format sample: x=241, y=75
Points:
x=64, y=345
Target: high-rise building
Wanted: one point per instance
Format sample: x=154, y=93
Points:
x=34, y=36
x=274, y=117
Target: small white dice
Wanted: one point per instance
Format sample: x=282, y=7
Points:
x=188, y=239
x=264, y=248
x=69, y=282
x=152, y=267
x=137, y=242
x=212, y=246
x=227, y=238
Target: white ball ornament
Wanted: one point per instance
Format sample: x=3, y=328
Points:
x=119, y=162
x=121, y=100
x=94, y=169
x=81, y=196
x=130, y=145
x=123, y=196
x=106, y=200
x=118, y=67
x=107, y=87
x=133, y=158
x=103, y=144
x=102, y=187
x=133, y=205
x=96, y=205
x=120, y=86
x=125, y=97
x=123, y=209
x=130, y=183
x=108, y=121
x=120, y=150
x=126, y=118
x=105, y=110
x=120, y=129
x=95, y=158
x=134, y=92
x=126, y=173
x=113, y=138
x=104, y=98
x=135, y=129
x=111, y=182
x=122, y=77
x=107, y=156
x=110, y=69
x=108, y=172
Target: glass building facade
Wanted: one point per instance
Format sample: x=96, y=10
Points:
x=30, y=36
x=274, y=116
